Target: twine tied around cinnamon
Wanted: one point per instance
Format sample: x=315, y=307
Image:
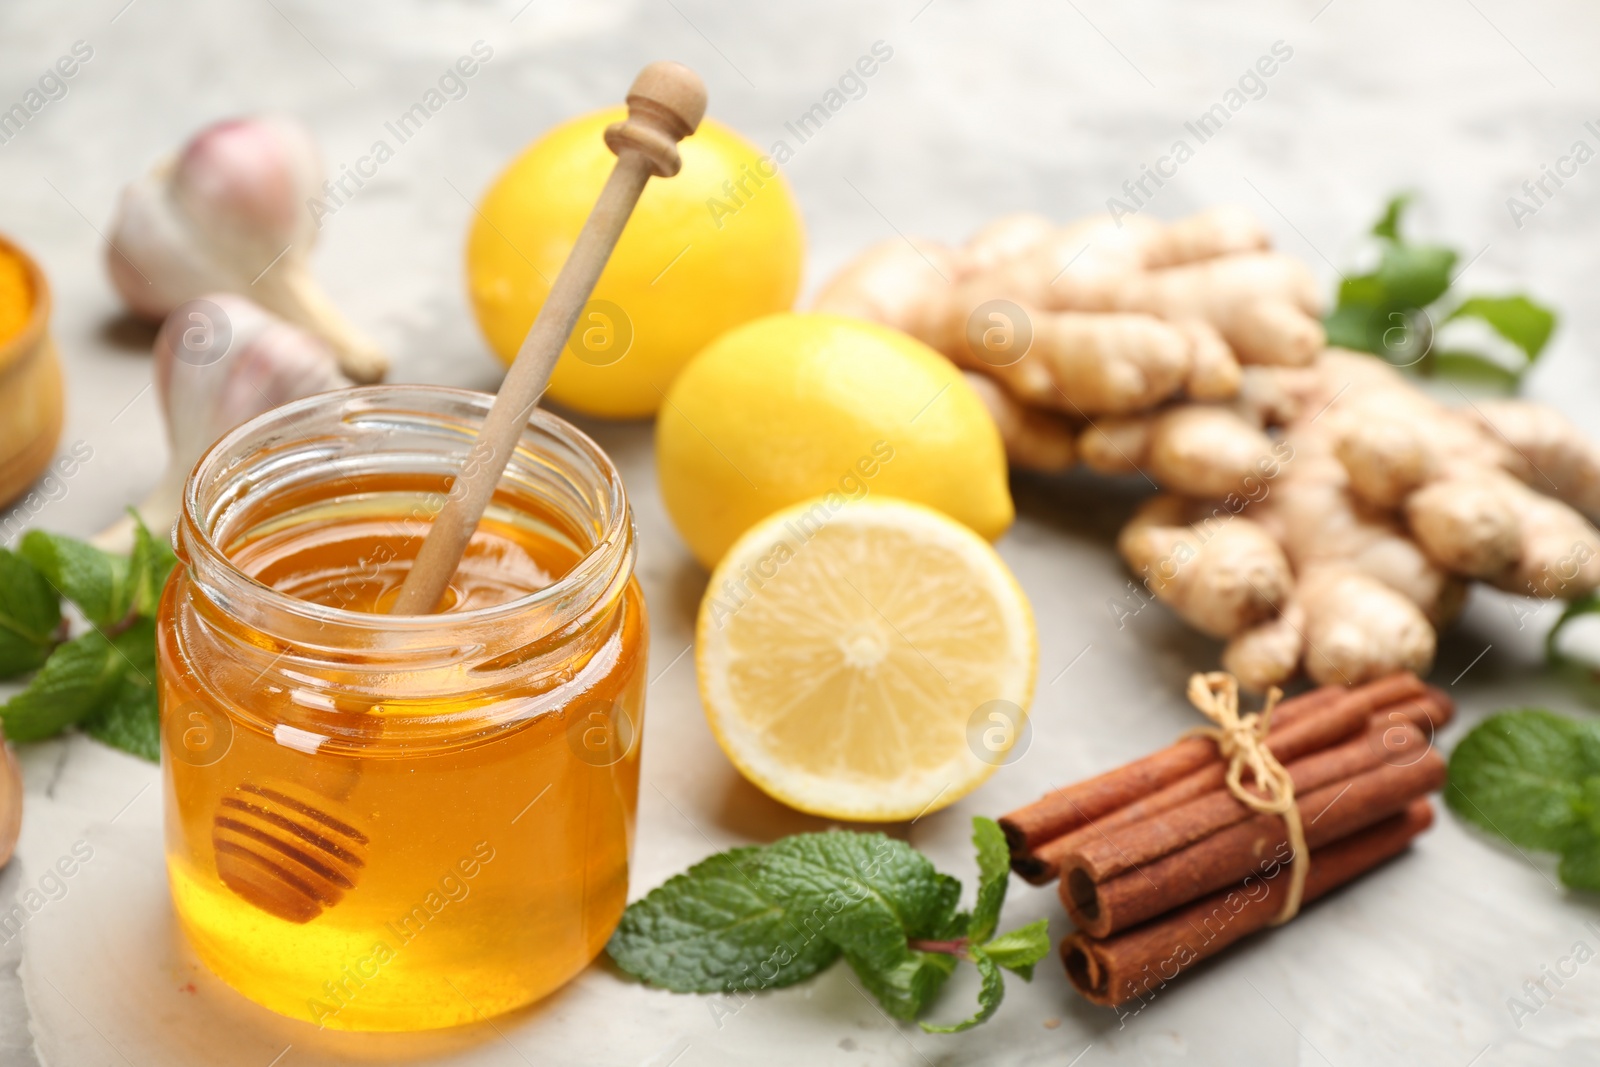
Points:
x=1241, y=740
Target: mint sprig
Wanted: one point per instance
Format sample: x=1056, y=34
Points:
x=758, y=918
x=30, y=616
x=1393, y=310
x=102, y=680
x=1533, y=777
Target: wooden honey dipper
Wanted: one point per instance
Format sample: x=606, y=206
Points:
x=276, y=846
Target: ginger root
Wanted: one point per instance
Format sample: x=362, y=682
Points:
x=1221, y=576
x=1208, y=450
x=1092, y=319
x=1321, y=513
x=1384, y=503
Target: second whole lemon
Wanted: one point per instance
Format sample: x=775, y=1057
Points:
x=717, y=244
x=794, y=406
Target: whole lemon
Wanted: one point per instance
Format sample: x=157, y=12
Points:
x=715, y=245
x=794, y=406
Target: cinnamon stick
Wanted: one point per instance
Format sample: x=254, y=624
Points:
x=1245, y=848
x=1121, y=848
x=1070, y=807
x=1401, y=698
x=1136, y=964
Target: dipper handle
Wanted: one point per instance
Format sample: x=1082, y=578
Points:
x=665, y=105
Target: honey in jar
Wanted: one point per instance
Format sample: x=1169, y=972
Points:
x=379, y=822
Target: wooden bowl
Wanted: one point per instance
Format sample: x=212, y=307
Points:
x=30, y=391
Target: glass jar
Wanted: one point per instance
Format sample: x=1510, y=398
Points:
x=379, y=822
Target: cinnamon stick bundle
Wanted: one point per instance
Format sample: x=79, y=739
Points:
x=1042, y=834
x=1112, y=851
x=1070, y=807
x=1135, y=964
x=1125, y=895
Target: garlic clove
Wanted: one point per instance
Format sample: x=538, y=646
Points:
x=245, y=181
x=228, y=215
x=220, y=361
x=154, y=264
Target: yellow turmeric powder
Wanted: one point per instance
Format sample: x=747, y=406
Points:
x=16, y=295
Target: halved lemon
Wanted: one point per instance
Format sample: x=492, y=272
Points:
x=852, y=657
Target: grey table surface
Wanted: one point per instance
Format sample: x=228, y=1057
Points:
x=983, y=108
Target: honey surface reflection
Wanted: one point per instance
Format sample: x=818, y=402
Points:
x=420, y=828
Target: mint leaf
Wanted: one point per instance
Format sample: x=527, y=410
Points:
x=96, y=581
x=1520, y=774
x=712, y=930
x=905, y=986
x=1020, y=949
x=990, y=995
x=1580, y=862
x=870, y=891
x=1414, y=276
x=73, y=682
x=994, y=871
x=1526, y=324
x=1388, y=225
x=1356, y=325
x=152, y=561
x=1474, y=367
x=129, y=719
x=30, y=614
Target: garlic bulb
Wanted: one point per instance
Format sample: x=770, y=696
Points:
x=229, y=214
x=219, y=361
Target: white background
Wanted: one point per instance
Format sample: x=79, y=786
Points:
x=983, y=108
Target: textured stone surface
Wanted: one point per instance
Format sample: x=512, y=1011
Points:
x=983, y=108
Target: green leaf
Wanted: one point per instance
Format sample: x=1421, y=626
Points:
x=1362, y=291
x=129, y=717
x=1356, y=326
x=907, y=984
x=74, y=681
x=1516, y=318
x=138, y=647
x=1389, y=224
x=1580, y=862
x=870, y=891
x=1588, y=804
x=994, y=871
x=1020, y=949
x=990, y=995
x=129, y=720
x=96, y=581
x=1414, y=276
x=1473, y=367
x=30, y=614
x=756, y=918
x=1520, y=774
x=712, y=930
x=152, y=561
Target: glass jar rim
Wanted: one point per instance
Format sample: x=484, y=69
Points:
x=204, y=507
